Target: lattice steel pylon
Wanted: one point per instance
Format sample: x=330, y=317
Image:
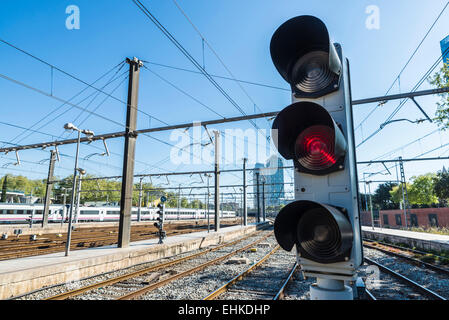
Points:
x=404, y=191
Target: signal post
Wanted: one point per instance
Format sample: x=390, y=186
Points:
x=316, y=132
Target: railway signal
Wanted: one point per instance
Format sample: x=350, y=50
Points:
x=161, y=219
x=316, y=132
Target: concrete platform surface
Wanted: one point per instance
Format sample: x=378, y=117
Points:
x=19, y=276
x=421, y=240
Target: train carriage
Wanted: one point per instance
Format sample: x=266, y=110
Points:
x=23, y=213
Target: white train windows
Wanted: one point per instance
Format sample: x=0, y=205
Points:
x=85, y=212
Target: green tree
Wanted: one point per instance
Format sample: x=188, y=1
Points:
x=422, y=190
x=441, y=185
x=382, y=198
x=25, y=185
x=441, y=80
x=396, y=193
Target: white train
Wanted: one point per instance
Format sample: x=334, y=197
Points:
x=23, y=213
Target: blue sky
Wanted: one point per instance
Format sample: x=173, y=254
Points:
x=240, y=32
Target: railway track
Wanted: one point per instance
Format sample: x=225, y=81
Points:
x=266, y=279
x=430, y=276
x=115, y=287
x=405, y=251
x=413, y=289
x=20, y=247
x=178, y=275
x=402, y=254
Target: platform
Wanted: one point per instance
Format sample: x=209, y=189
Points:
x=19, y=276
x=420, y=240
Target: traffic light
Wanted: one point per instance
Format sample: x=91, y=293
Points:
x=316, y=132
x=161, y=219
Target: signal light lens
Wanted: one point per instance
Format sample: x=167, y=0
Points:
x=318, y=234
x=314, y=148
x=311, y=73
x=322, y=233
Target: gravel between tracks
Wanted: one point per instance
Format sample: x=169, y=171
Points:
x=200, y=284
x=428, y=278
x=97, y=293
x=264, y=282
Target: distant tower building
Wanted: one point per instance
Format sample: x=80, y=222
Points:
x=445, y=49
x=257, y=170
x=274, y=178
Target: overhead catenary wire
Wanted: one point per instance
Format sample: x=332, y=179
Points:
x=191, y=97
x=406, y=64
x=56, y=98
x=60, y=106
x=204, y=40
x=416, y=157
x=63, y=112
x=181, y=48
x=65, y=102
x=78, y=107
x=111, y=80
x=75, y=77
x=402, y=103
x=218, y=76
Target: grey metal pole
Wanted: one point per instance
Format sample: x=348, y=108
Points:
x=263, y=201
x=139, y=212
x=63, y=207
x=258, y=197
x=404, y=190
x=245, y=209
x=31, y=218
x=241, y=204
x=371, y=206
x=366, y=199
x=124, y=235
x=207, y=203
x=72, y=200
x=217, y=181
x=47, y=200
x=179, y=199
x=78, y=198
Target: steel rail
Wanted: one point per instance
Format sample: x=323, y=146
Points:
x=240, y=276
x=370, y=295
x=99, y=238
x=415, y=285
x=405, y=249
x=112, y=281
x=416, y=262
x=281, y=291
x=161, y=283
x=78, y=244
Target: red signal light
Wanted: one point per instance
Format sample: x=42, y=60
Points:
x=315, y=148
